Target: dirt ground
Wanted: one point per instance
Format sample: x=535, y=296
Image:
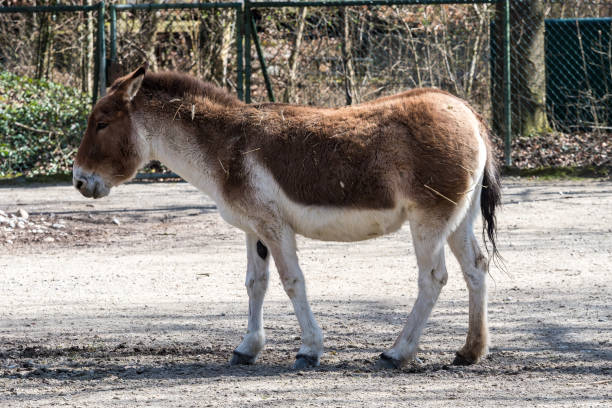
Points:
x=138, y=299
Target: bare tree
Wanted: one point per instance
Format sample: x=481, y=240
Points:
x=347, y=59
x=293, y=58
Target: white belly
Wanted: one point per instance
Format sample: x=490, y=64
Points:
x=337, y=224
x=323, y=222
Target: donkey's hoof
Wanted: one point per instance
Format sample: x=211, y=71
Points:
x=461, y=361
x=303, y=361
x=385, y=362
x=239, y=358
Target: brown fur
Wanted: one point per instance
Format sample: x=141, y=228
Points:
x=109, y=151
x=351, y=156
x=417, y=142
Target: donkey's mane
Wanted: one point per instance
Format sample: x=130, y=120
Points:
x=180, y=85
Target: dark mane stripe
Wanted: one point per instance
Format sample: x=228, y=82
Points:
x=175, y=84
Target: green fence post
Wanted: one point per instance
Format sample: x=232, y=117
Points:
x=113, y=33
x=262, y=60
x=239, y=53
x=247, y=51
x=101, y=51
x=507, y=88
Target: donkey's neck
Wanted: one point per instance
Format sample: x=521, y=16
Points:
x=181, y=136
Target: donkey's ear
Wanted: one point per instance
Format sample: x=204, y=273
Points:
x=131, y=84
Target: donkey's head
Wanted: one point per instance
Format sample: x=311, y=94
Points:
x=111, y=151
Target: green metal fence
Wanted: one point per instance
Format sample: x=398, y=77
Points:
x=192, y=13
x=51, y=13
x=531, y=66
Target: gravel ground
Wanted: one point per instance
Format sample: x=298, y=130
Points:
x=138, y=299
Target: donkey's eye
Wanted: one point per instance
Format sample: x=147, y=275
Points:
x=101, y=125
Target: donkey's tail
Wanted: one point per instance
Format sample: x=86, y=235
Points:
x=490, y=199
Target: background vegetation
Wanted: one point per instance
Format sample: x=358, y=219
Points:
x=41, y=125
x=320, y=56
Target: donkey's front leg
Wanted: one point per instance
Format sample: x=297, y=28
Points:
x=285, y=257
x=257, y=284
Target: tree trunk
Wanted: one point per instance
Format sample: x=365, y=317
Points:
x=226, y=44
x=293, y=58
x=347, y=59
x=42, y=47
x=214, y=44
x=148, y=36
x=87, y=56
x=527, y=69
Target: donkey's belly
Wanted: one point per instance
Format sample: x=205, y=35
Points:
x=337, y=224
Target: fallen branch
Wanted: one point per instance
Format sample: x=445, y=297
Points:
x=31, y=129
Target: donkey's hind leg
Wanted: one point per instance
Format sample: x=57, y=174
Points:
x=473, y=263
x=256, y=284
x=429, y=248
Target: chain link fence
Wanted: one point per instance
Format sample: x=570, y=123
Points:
x=200, y=39
x=346, y=55
x=561, y=82
x=49, y=76
x=57, y=45
x=334, y=53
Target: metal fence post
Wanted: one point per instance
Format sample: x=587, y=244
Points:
x=507, y=87
x=262, y=60
x=247, y=51
x=113, y=33
x=239, y=53
x=101, y=51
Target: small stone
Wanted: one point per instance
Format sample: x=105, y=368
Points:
x=11, y=223
x=3, y=219
x=21, y=225
x=58, y=226
x=23, y=214
x=2, y=213
x=49, y=239
x=116, y=221
x=8, y=241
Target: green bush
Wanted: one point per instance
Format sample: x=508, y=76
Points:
x=41, y=125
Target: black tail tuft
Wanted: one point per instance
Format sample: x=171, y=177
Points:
x=490, y=199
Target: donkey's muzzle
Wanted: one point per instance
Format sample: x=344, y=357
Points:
x=89, y=184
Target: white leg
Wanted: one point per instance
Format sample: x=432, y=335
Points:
x=285, y=257
x=258, y=260
x=429, y=249
x=474, y=264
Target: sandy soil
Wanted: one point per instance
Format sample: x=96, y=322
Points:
x=139, y=300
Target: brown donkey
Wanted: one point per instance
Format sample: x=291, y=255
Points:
x=344, y=174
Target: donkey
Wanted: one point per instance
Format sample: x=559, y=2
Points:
x=345, y=174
